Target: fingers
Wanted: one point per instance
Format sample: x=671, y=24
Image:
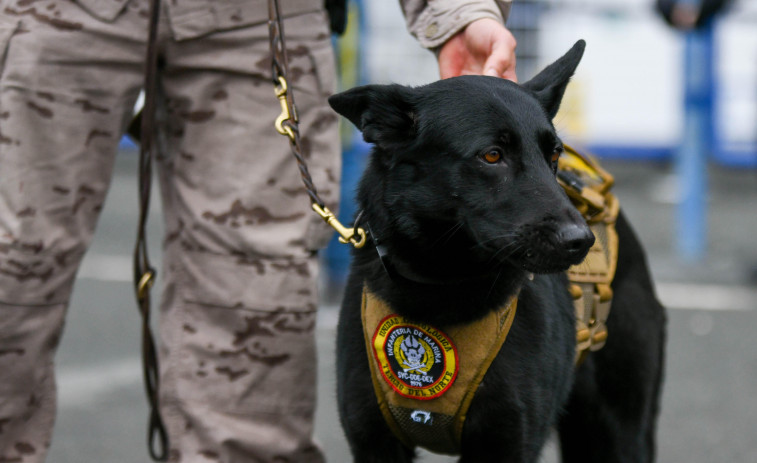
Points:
x=452, y=57
x=484, y=47
x=446, y=71
x=501, y=68
x=501, y=60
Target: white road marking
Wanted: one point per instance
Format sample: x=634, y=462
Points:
x=711, y=297
x=107, y=267
x=328, y=316
x=80, y=386
x=692, y=296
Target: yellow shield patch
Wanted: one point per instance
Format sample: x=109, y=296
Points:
x=417, y=360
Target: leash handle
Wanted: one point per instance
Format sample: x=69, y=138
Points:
x=144, y=273
x=287, y=124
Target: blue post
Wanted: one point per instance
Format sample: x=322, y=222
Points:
x=354, y=150
x=697, y=143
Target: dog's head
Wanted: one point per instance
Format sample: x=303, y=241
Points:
x=467, y=166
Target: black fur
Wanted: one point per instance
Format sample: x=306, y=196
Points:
x=461, y=235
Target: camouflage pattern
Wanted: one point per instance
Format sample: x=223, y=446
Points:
x=240, y=276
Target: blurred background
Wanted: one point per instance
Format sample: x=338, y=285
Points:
x=670, y=112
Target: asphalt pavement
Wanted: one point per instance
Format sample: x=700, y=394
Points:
x=709, y=407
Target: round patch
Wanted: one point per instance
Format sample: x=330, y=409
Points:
x=417, y=360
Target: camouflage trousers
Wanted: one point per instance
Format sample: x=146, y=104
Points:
x=237, y=316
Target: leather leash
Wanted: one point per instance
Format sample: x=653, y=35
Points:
x=288, y=124
x=144, y=273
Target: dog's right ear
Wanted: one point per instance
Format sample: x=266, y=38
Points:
x=549, y=85
x=384, y=113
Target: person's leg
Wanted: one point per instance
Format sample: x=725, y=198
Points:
x=238, y=316
x=66, y=87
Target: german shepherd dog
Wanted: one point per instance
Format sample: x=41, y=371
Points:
x=464, y=211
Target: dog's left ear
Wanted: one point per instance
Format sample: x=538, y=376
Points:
x=384, y=113
x=549, y=85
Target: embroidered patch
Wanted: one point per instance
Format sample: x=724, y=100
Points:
x=417, y=360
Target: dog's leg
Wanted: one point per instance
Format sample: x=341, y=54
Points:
x=510, y=440
x=369, y=437
x=495, y=444
x=379, y=448
x=612, y=413
x=611, y=416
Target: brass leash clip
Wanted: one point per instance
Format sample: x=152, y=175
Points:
x=281, y=93
x=346, y=235
x=354, y=235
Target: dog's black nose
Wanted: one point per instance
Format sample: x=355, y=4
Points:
x=575, y=239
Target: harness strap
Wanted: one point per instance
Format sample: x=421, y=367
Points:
x=588, y=187
x=425, y=402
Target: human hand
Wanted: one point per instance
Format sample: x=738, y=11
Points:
x=484, y=46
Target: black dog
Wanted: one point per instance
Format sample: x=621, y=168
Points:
x=462, y=206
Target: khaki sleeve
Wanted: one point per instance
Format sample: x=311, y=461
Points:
x=433, y=22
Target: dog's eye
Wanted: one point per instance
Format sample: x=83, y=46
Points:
x=492, y=156
x=556, y=154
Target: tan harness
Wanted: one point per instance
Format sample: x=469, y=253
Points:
x=425, y=377
x=588, y=187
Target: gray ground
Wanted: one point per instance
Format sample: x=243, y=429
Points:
x=709, y=410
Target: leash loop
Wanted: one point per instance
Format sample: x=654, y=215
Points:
x=144, y=274
x=287, y=124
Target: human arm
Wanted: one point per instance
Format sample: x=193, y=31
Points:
x=468, y=36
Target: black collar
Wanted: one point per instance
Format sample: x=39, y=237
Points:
x=399, y=272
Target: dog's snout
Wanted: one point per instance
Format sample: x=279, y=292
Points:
x=576, y=239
